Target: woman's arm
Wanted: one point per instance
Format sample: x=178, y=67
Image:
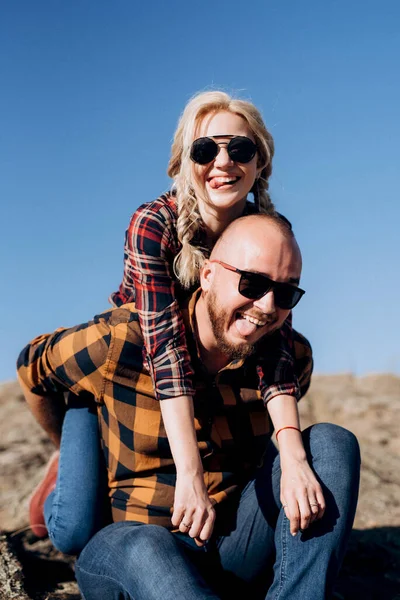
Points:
x=192, y=504
x=301, y=494
x=279, y=371
x=48, y=411
x=150, y=246
x=291, y=373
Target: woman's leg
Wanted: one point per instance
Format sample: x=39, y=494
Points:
x=76, y=509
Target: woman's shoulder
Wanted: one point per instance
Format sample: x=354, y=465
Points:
x=162, y=209
x=155, y=222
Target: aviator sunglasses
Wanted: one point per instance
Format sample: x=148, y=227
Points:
x=240, y=149
x=255, y=285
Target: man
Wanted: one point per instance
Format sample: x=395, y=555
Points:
x=261, y=498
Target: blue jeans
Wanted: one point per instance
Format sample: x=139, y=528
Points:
x=251, y=552
x=77, y=508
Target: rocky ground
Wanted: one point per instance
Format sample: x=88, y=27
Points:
x=31, y=570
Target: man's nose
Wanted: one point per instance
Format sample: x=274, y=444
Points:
x=222, y=159
x=266, y=303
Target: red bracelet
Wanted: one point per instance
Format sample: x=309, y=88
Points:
x=288, y=427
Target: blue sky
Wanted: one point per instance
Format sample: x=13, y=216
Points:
x=90, y=95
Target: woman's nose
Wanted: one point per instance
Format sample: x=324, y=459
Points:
x=223, y=159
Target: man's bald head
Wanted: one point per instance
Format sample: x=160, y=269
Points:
x=254, y=234
x=257, y=252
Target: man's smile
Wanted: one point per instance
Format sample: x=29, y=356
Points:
x=247, y=324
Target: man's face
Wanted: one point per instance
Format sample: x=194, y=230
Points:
x=238, y=323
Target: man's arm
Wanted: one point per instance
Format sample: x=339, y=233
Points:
x=66, y=360
x=48, y=411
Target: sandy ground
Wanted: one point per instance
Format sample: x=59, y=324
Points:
x=31, y=569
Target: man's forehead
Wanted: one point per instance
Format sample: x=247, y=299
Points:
x=253, y=248
x=271, y=253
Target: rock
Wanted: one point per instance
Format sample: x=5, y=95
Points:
x=11, y=575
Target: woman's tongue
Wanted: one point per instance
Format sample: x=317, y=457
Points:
x=217, y=182
x=244, y=327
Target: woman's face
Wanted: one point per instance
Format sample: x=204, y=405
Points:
x=226, y=182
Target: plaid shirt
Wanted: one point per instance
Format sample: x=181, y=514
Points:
x=104, y=358
x=151, y=245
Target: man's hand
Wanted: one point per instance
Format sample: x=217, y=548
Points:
x=49, y=411
x=193, y=510
x=301, y=494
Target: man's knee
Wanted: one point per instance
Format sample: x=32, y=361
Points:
x=119, y=556
x=124, y=542
x=339, y=445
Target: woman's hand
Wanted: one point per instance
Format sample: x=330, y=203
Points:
x=301, y=494
x=193, y=510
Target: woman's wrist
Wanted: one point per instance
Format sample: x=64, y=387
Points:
x=295, y=428
x=291, y=445
x=190, y=467
x=184, y=473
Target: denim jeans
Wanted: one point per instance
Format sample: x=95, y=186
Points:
x=77, y=508
x=251, y=552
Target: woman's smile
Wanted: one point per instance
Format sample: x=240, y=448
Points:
x=226, y=182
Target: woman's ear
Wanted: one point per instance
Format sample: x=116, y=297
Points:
x=206, y=275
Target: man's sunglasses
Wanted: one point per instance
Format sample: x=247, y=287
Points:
x=255, y=285
x=240, y=149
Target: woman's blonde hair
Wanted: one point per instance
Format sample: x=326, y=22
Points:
x=189, y=260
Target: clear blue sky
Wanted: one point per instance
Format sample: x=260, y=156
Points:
x=91, y=91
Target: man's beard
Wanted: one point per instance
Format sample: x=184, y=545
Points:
x=218, y=317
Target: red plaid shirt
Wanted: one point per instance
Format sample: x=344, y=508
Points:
x=151, y=245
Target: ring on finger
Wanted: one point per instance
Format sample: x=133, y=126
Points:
x=186, y=525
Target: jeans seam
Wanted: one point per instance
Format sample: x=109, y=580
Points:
x=284, y=554
x=55, y=508
x=77, y=567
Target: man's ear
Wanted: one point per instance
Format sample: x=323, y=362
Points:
x=206, y=275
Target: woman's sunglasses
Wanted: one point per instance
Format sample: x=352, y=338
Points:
x=255, y=285
x=240, y=149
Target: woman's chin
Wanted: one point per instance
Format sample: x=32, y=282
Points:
x=225, y=199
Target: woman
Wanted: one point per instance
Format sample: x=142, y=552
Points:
x=221, y=152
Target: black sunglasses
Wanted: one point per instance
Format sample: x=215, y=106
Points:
x=255, y=285
x=240, y=149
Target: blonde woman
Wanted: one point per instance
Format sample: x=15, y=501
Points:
x=221, y=153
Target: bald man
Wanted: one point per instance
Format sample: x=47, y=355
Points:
x=248, y=288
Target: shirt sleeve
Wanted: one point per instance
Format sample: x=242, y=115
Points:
x=304, y=362
x=67, y=360
x=277, y=371
x=150, y=247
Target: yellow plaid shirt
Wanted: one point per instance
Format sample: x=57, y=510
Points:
x=104, y=358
